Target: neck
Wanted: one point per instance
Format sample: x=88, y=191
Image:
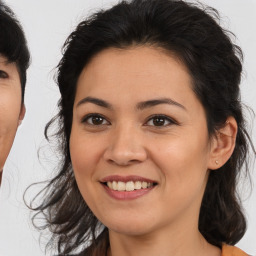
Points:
x=175, y=242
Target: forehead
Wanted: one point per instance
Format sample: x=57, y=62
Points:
x=135, y=72
x=137, y=56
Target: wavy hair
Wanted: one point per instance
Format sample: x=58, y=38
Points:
x=191, y=32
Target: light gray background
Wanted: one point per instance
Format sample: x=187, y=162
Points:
x=47, y=23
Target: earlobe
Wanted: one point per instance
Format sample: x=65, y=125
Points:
x=22, y=113
x=223, y=144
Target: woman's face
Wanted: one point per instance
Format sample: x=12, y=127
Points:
x=11, y=110
x=139, y=143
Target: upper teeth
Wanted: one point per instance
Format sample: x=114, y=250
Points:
x=128, y=186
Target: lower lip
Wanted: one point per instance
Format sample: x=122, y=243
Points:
x=127, y=195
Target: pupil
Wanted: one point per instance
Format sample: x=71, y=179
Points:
x=97, y=120
x=158, y=121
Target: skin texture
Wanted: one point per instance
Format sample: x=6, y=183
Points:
x=177, y=153
x=11, y=109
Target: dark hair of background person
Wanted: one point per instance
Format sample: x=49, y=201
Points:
x=193, y=34
x=13, y=45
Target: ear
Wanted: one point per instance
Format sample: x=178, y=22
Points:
x=223, y=144
x=22, y=113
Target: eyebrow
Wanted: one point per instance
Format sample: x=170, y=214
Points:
x=155, y=102
x=140, y=106
x=96, y=101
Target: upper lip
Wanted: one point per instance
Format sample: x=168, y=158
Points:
x=126, y=178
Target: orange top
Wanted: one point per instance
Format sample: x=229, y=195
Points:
x=228, y=250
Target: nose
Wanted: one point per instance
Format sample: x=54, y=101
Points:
x=125, y=147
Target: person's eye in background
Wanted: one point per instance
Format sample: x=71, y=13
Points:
x=3, y=74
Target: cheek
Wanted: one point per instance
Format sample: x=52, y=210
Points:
x=9, y=115
x=183, y=162
x=10, y=105
x=84, y=152
x=85, y=156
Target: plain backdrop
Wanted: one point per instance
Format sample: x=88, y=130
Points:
x=47, y=23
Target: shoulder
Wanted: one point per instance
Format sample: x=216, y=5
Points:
x=228, y=250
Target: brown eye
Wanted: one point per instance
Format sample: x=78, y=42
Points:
x=160, y=121
x=95, y=120
x=3, y=74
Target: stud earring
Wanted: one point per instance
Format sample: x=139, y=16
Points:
x=216, y=162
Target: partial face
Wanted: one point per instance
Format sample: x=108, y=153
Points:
x=10, y=106
x=139, y=143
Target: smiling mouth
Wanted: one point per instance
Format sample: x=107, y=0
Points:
x=128, y=186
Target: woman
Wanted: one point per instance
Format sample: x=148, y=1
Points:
x=152, y=135
x=14, y=61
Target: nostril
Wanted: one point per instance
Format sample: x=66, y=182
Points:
x=123, y=162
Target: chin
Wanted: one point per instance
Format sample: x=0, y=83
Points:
x=131, y=228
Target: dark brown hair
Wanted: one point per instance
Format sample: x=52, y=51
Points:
x=191, y=32
x=13, y=44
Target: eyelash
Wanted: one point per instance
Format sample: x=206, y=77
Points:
x=162, y=118
x=3, y=74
